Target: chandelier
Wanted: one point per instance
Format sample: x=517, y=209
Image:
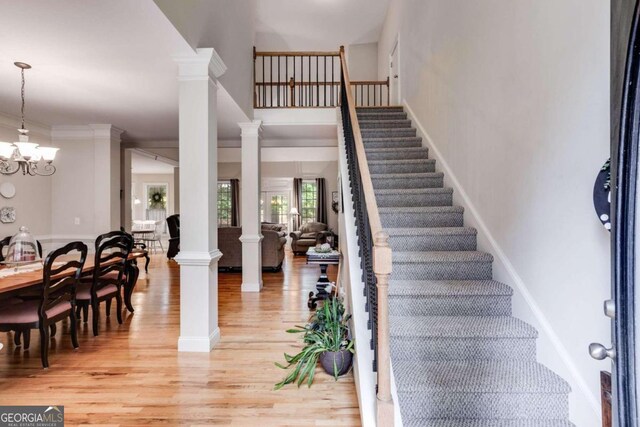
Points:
x=26, y=156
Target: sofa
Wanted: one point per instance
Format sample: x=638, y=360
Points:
x=173, y=223
x=273, y=246
x=308, y=235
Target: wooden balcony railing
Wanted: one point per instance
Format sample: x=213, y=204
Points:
x=296, y=79
x=308, y=80
x=371, y=93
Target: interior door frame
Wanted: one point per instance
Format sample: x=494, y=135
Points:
x=625, y=250
x=396, y=97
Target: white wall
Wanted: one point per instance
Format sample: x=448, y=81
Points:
x=85, y=192
x=139, y=180
x=228, y=27
x=514, y=95
x=362, y=60
x=32, y=201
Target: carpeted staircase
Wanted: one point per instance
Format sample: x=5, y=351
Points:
x=459, y=357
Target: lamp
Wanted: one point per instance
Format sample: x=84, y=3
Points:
x=294, y=211
x=136, y=201
x=25, y=155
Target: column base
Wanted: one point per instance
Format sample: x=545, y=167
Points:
x=251, y=287
x=199, y=344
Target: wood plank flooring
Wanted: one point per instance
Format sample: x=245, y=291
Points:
x=132, y=374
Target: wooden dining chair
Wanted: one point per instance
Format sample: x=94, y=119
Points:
x=105, y=284
x=56, y=303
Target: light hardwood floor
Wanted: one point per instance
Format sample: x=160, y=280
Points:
x=132, y=374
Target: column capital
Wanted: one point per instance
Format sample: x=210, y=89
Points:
x=252, y=128
x=202, y=65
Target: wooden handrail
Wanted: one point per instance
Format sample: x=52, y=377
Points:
x=283, y=53
x=382, y=262
x=371, y=82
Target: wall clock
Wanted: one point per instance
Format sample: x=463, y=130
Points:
x=7, y=190
x=7, y=215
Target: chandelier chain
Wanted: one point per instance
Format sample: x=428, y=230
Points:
x=22, y=96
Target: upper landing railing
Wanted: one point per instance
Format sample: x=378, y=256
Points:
x=308, y=80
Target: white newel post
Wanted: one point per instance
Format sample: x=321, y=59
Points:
x=199, y=254
x=251, y=234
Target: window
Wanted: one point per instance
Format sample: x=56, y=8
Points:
x=224, y=204
x=309, y=201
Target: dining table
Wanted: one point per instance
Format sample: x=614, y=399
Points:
x=16, y=282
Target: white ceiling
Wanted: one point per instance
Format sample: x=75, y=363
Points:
x=147, y=165
x=97, y=61
x=318, y=24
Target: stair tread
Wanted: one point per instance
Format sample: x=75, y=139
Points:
x=441, y=256
x=414, y=191
x=393, y=139
x=477, y=376
x=431, y=231
x=422, y=209
x=476, y=422
x=460, y=327
x=380, y=107
x=384, y=121
x=394, y=149
x=449, y=288
x=399, y=175
x=400, y=161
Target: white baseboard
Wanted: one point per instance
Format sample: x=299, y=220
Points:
x=251, y=287
x=199, y=344
x=500, y=258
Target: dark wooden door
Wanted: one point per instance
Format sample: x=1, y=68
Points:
x=625, y=131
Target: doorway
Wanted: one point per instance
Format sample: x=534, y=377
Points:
x=394, y=73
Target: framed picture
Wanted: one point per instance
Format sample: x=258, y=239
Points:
x=335, y=201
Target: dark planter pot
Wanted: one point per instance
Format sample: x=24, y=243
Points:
x=342, y=359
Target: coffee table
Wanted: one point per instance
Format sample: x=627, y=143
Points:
x=323, y=259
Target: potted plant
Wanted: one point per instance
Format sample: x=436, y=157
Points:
x=326, y=339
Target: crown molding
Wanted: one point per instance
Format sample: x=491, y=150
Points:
x=85, y=132
x=198, y=66
x=252, y=128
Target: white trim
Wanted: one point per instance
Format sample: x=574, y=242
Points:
x=199, y=344
x=502, y=258
x=197, y=258
x=252, y=128
x=194, y=67
x=251, y=287
x=251, y=238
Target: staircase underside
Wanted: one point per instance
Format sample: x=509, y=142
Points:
x=459, y=357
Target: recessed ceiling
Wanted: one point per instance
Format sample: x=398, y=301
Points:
x=318, y=24
x=97, y=61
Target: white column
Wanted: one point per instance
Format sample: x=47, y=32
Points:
x=251, y=234
x=176, y=190
x=199, y=254
x=125, y=174
x=106, y=167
